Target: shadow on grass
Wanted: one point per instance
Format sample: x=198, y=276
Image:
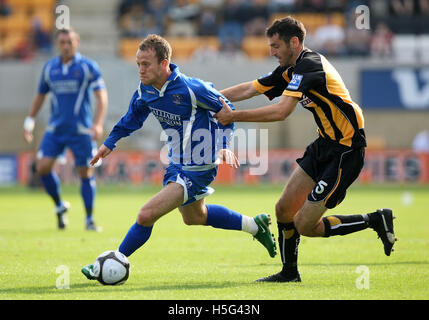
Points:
x=321, y=264
x=94, y=287
x=89, y=287
x=387, y=263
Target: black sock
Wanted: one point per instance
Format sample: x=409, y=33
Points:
x=373, y=219
x=288, y=244
x=345, y=224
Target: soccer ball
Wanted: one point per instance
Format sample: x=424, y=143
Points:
x=111, y=268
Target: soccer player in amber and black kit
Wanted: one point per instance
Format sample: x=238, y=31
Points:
x=330, y=164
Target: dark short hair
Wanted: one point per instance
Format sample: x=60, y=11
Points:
x=66, y=31
x=287, y=28
x=157, y=43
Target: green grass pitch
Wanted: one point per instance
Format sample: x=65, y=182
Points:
x=179, y=262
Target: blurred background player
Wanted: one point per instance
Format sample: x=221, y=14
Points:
x=330, y=164
x=70, y=77
x=183, y=107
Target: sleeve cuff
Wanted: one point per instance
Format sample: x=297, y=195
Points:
x=259, y=87
x=109, y=144
x=296, y=94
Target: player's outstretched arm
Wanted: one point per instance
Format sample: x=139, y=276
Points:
x=240, y=92
x=270, y=113
x=102, y=152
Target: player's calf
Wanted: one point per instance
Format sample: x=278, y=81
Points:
x=340, y=225
x=380, y=221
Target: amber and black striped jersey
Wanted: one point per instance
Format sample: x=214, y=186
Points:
x=322, y=91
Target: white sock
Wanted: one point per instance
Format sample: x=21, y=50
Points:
x=248, y=224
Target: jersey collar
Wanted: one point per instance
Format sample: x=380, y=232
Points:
x=301, y=54
x=76, y=58
x=175, y=72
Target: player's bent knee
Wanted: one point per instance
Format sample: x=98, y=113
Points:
x=279, y=209
x=43, y=170
x=44, y=166
x=283, y=212
x=85, y=173
x=145, y=218
x=188, y=221
x=194, y=220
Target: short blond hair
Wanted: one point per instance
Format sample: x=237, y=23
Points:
x=157, y=43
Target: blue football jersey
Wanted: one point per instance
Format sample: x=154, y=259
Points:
x=184, y=107
x=70, y=85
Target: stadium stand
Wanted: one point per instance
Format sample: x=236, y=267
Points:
x=192, y=25
x=183, y=47
x=255, y=47
x=22, y=24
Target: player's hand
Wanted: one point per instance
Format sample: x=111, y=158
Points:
x=102, y=152
x=229, y=157
x=96, y=131
x=29, y=123
x=28, y=136
x=225, y=115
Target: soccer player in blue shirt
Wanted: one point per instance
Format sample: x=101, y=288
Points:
x=184, y=107
x=70, y=78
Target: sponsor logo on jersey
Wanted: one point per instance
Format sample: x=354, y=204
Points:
x=295, y=82
x=177, y=98
x=305, y=101
x=163, y=116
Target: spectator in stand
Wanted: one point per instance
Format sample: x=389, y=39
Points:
x=403, y=16
x=150, y=26
x=329, y=38
x=379, y=11
x=157, y=9
x=5, y=9
x=379, y=8
x=336, y=5
x=282, y=5
x=23, y=50
x=424, y=16
x=231, y=31
x=257, y=16
x=424, y=7
x=39, y=38
x=357, y=41
x=182, y=18
x=131, y=22
x=310, y=5
x=381, y=42
x=207, y=21
x=351, y=5
x=403, y=7
x=124, y=6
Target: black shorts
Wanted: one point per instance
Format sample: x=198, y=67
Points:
x=333, y=167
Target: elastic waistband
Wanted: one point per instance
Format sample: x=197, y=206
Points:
x=203, y=167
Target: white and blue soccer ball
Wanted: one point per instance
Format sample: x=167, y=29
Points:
x=111, y=268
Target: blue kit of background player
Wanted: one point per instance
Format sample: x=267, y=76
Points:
x=71, y=79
